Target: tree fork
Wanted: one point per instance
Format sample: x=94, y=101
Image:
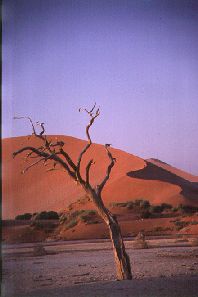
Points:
x=55, y=152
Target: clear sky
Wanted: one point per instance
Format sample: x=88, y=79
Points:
x=138, y=59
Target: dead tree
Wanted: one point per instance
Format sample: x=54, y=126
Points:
x=50, y=151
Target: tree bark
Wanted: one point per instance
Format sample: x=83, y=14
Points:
x=122, y=260
x=55, y=152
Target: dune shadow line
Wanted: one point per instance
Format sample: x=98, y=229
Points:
x=154, y=172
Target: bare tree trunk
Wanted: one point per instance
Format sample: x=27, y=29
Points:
x=50, y=151
x=122, y=260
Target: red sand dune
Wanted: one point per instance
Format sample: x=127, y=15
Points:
x=174, y=170
x=128, y=228
x=37, y=190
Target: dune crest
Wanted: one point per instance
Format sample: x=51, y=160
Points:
x=38, y=190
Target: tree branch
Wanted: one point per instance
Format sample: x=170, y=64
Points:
x=88, y=171
x=33, y=164
x=31, y=122
x=48, y=143
x=49, y=156
x=40, y=135
x=93, y=117
x=100, y=187
x=68, y=158
x=48, y=150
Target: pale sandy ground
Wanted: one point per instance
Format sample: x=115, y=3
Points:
x=86, y=269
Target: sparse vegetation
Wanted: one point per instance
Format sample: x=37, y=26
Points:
x=161, y=229
x=156, y=209
x=87, y=216
x=182, y=224
x=193, y=241
x=187, y=209
x=44, y=215
x=144, y=207
x=146, y=214
x=166, y=206
x=46, y=225
x=63, y=218
x=143, y=204
x=47, y=215
x=139, y=203
x=71, y=223
x=25, y=216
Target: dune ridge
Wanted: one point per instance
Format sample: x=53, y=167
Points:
x=38, y=190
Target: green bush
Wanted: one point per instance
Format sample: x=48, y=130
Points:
x=181, y=224
x=72, y=219
x=122, y=204
x=166, y=206
x=71, y=224
x=90, y=212
x=130, y=205
x=160, y=208
x=37, y=225
x=175, y=209
x=145, y=214
x=156, y=209
x=144, y=204
x=47, y=215
x=187, y=208
x=194, y=223
x=138, y=203
x=87, y=215
x=25, y=216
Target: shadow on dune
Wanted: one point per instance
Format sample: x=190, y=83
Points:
x=153, y=172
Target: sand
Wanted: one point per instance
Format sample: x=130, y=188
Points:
x=38, y=190
x=84, y=268
x=131, y=179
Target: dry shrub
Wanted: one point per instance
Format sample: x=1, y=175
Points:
x=140, y=242
x=39, y=250
x=193, y=241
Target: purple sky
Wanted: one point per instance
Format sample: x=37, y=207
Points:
x=138, y=59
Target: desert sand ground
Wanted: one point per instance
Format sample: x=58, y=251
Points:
x=86, y=269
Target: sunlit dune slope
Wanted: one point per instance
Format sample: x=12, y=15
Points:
x=38, y=190
x=131, y=178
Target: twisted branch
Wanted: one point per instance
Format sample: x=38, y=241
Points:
x=50, y=156
x=48, y=145
x=88, y=171
x=49, y=152
x=33, y=164
x=31, y=122
x=68, y=158
x=93, y=117
x=100, y=187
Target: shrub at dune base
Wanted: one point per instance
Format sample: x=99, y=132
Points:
x=47, y=215
x=25, y=216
